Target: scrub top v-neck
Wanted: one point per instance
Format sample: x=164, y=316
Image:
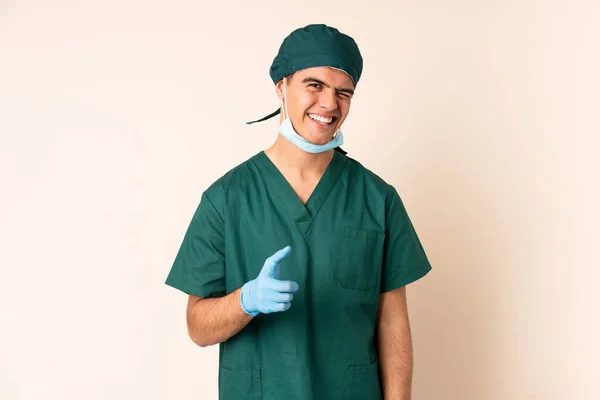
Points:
x=351, y=241
x=302, y=213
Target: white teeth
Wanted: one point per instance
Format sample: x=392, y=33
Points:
x=321, y=119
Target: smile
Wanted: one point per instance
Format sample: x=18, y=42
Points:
x=322, y=120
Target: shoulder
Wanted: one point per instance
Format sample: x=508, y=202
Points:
x=372, y=182
x=237, y=178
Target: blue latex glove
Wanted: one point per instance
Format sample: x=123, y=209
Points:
x=266, y=293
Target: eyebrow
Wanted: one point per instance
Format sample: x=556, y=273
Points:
x=315, y=80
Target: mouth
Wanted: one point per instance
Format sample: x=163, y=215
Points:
x=322, y=120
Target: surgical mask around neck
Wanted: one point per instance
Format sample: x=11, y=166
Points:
x=287, y=130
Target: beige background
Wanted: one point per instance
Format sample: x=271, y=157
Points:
x=116, y=115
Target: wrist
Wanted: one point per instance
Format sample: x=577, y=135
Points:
x=245, y=302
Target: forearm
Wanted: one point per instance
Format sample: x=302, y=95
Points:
x=394, y=345
x=214, y=320
x=396, y=362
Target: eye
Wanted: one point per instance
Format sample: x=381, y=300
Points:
x=315, y=85
x=344, y=96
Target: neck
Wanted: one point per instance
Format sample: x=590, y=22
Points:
x=286, y=155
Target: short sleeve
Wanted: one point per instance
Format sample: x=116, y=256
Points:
x=404, y=259
x=199, y=267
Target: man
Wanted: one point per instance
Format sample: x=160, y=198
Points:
x=296, y=261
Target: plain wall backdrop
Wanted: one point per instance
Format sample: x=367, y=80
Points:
x=116, y=115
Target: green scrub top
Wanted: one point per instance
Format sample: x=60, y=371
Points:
x=351, y=241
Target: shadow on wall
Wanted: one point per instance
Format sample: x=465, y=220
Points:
x=453, y=314
x=7, y=389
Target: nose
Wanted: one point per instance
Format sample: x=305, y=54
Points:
x=328, y=100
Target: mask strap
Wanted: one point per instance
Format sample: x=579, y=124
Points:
x=285, y=99
x=336, y=133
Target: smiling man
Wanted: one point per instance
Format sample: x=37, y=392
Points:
x=296, y=261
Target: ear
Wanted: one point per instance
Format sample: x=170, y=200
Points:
x=279, y=89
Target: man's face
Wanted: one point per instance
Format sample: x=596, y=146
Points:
x=317, y=93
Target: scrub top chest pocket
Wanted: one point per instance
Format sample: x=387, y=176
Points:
x=359, y=263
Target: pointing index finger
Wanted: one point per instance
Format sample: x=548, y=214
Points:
x=280, y=255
